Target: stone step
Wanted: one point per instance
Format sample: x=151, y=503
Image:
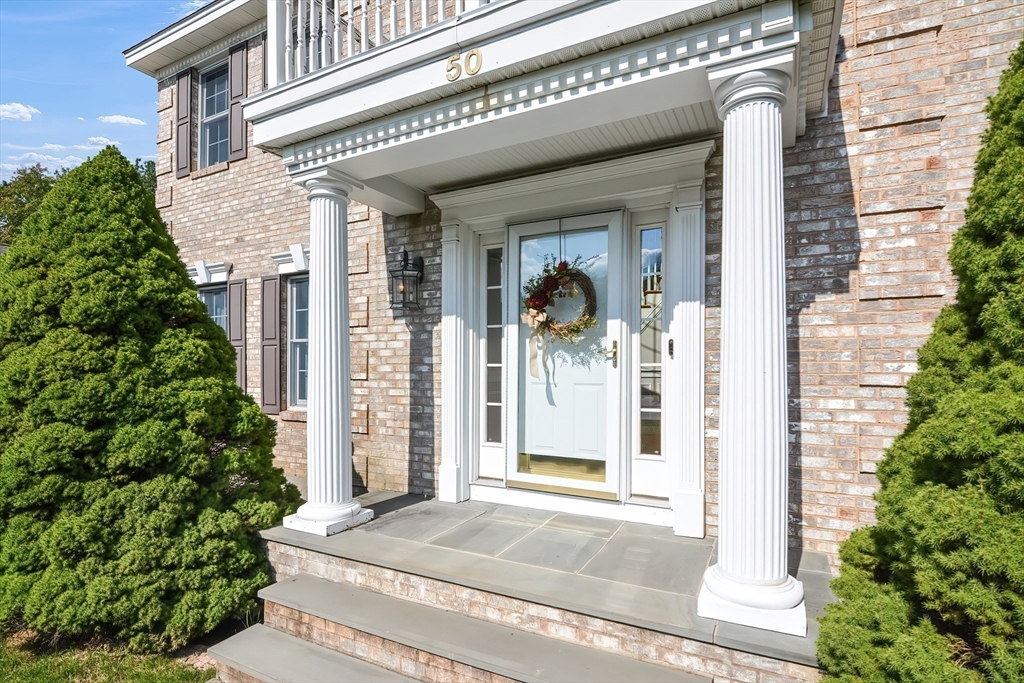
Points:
x=262, y=654
x=433, y=644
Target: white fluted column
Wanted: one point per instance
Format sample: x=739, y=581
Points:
x=750, y=584
x=329, y=506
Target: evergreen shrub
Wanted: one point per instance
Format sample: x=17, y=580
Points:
x=935, y=591
x=133, y=470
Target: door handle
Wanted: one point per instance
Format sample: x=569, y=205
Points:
x=614, y=353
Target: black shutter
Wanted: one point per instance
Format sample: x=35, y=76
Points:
x=236, y=326
x=183, y=126
x=270, y=345
x=236, y=93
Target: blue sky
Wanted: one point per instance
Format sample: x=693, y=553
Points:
x=65, y=91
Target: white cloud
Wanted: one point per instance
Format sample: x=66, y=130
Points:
x=121, y=119
x=96, y=143
x=47, y=160
x=100, y=141
x=187, y=7
x=81, y=118
x=16, y=111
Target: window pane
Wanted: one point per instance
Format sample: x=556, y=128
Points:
x=216, y=141
x=216, y=300
x=494, y=385
x=215, y=91
x=493, y=306
x=300, y=309
x=650, y=388
x=299, y=372
x=494, y=346
x=650, y=433
x=493, y=267
x=493, y=424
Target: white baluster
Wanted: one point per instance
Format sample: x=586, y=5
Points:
x=364, y=29
x=289, y=47
x=300, y=63
x=326, y=36
x=424, y=13
x=394, y=20
x=458, y=7
x=440, y=11
x=351, y=28
x=378, y=24
x=408, y=17
x=314, y=36
x=337, y=30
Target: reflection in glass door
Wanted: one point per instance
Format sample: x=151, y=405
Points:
x=567, y=392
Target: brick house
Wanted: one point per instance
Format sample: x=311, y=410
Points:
x=755, y=200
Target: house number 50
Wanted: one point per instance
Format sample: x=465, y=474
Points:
x=473, y=62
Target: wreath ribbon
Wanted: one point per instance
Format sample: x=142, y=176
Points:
x=534, y=319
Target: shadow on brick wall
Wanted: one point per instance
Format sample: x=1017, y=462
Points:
x=822, y=249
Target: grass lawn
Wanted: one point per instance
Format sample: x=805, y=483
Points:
x=38, y=664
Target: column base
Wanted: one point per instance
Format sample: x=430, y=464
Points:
x=687, y=512
x=327, y=527
x=784, y=618
x=449, y=489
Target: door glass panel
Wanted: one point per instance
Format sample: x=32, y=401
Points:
x=493, y=366
x=563, y=386
x=651, y=315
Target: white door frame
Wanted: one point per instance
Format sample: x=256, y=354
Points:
x=671, y=179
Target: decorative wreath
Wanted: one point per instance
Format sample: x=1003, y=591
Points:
x=557, y=281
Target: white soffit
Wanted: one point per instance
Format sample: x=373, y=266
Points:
x=629, y=136
x=194, y=33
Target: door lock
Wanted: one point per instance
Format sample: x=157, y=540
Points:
x=614, y=353
x=671, y=348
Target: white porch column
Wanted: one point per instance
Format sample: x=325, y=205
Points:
x=750, y=584
x=329, y=507
x=452, y=479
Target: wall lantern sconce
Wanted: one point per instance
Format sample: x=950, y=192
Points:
x=405, y=283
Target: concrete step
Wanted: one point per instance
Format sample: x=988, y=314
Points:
x=432, y=644
x=262, y=654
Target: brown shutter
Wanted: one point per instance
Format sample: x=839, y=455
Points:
x=270, y=345
x=183, y=126
x=236, y=93
x=236, y=326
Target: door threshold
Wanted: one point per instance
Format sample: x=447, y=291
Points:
x=592, y=507
x=650, y=501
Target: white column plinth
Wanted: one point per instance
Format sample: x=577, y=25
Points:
x=329, y=506
x=750, y=584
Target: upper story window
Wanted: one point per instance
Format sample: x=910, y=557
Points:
x=216, y=300
x=214, y=102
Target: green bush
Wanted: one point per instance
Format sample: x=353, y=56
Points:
x=935, y=591
x=133, y=470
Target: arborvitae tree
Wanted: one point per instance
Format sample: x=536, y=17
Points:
x=133, y=470
x=935, y=591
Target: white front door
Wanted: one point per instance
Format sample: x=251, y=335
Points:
x=564, y=399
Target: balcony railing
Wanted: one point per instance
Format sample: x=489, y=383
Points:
x=308, y=35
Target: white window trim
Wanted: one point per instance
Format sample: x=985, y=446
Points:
x=208, y=273
x=293, y=402
x=204, y=156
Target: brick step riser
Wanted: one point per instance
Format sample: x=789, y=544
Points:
x=645, y=645
x=227, y=674
x=373, y=649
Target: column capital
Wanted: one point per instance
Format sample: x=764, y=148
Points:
x=765, y=78
x=450, y=231
x=327, y=181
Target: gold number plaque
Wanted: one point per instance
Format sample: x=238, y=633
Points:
x=473, y=62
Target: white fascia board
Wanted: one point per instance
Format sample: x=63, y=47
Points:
x=180, y=39
x=414, y=71
x=640, y=180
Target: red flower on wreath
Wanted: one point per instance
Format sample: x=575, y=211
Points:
x=538, y=302
x=551, y=284
x=562, y=266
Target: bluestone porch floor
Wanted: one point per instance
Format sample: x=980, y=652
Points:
x=621, y=571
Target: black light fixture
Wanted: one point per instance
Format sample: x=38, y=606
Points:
x=405, y=283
